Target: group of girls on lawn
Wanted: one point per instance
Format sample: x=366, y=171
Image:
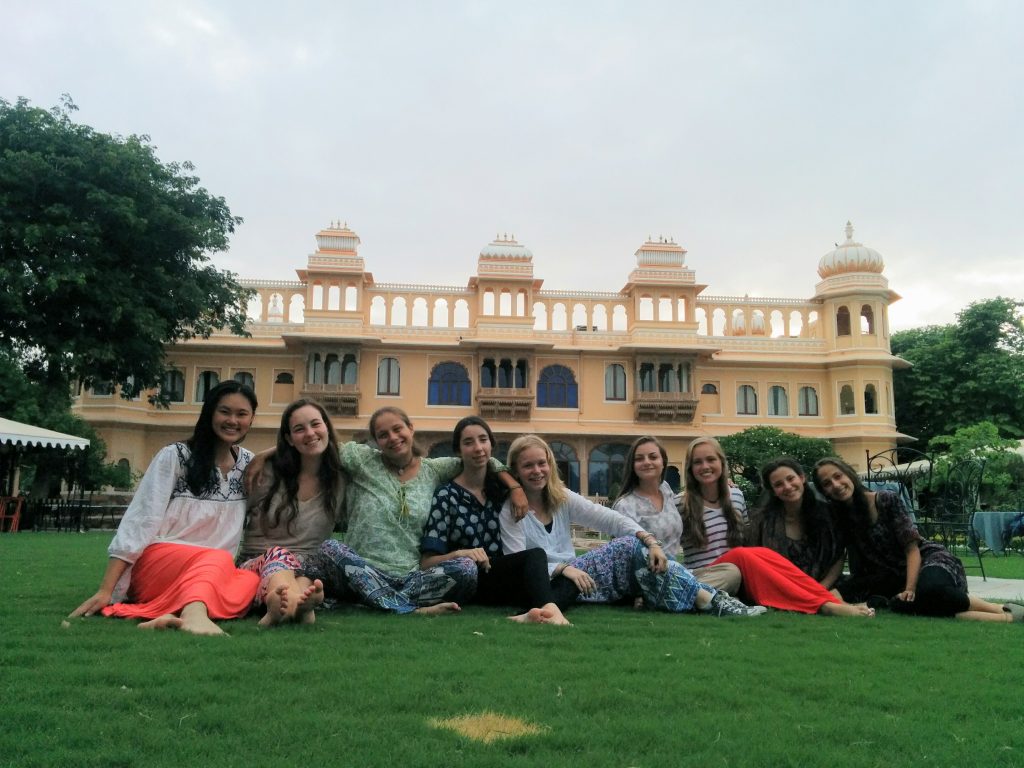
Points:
x=426, y=534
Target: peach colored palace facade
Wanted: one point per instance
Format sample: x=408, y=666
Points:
x=587, y=370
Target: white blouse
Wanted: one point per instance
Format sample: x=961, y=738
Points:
x=164, y=510
x=530, y=532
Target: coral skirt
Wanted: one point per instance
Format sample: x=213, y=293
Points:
x=167, y=577
x=770, y=579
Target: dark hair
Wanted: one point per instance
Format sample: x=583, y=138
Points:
x=691, y=509
x=494, y=489
x=286, y=463
x=858, y=513
x=770, y=513
x=199, y=468
x=394, y=410
x=630, y=480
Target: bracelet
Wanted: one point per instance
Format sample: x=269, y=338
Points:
x=513, y=487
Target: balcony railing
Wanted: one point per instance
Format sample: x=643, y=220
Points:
x=505, y=403
x=676, y=407
x=338, y=399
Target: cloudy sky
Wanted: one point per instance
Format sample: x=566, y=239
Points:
x=748, y=131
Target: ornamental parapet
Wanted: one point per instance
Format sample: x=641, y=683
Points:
x=505, y=403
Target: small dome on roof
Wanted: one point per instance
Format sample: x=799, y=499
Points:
x=851, y=256
x=503, y=246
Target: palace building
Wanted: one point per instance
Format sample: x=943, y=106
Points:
x=587, y=370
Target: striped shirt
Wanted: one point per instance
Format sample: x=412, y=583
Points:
x=717, y=529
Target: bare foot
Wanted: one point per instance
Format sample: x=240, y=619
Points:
x=847, y=609
x=277, y=606
x=532, y=616
x=549, y=614
x=167, y=621
x=196, y=620
x=438, y=610
x=311, y=597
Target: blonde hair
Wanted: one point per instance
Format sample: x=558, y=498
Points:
x=695, y=534
x=555, y=492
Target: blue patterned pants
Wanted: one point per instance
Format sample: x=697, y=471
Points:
x=348, y=577
x=619, y=569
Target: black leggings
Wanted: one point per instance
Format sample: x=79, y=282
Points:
x=521, y=579
x=936, y=595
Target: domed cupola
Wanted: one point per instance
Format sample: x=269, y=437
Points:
x=505, y=247
x=849, y=257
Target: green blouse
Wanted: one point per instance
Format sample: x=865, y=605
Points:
x=386, y=517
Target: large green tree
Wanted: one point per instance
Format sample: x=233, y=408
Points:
x=965, y=373
x=104, y=252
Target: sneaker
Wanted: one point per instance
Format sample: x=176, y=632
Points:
x=724, y=604
x=1015, y=610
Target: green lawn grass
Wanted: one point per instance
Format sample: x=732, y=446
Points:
x=620, y=688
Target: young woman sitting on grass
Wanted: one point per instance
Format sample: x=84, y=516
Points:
x=173, y=553
x=794, y=522
x=626, y=568
x=714, y=529
x=646, y=498
x=463, y=522
x=889, y=558
x=388, y=498
x=293, y=509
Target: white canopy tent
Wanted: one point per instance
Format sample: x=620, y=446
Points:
x=15, y=437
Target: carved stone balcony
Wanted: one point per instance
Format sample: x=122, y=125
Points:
x=674, y=407
x=338, y=399
x=504, y=403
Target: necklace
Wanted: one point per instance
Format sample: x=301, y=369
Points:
x=400, y=470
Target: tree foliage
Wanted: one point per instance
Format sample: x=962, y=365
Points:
x=965, y=373
x=1003, y=480
x=752, y=448
x=104, y=252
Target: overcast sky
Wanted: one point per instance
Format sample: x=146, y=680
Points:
x=748, y=131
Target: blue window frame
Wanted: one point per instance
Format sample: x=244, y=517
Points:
x=448, y=385
x=557, y=388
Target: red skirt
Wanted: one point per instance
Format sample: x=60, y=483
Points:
x=167, y=577
x=772, y=580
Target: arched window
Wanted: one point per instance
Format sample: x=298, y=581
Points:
x=808, y=405
x=843, y=321
x=709, y=389
x=604, y=477
x=206, y=381
x=332, y=369
x=448, y=385
x=846, y=405
x=746, y=400
x=566, y=462
x=867, y=320
x=246, y=378
x=488, y=373
x=557, y=388
x=778, y=401
x=614, y=382
x=647, y=383
x=387, y=376
x=870, y=399
x=173, y=386
x=284, y=378
x=349, y=369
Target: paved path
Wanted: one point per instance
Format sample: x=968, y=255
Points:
x=996, y=589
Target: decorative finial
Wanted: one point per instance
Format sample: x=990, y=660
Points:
x=849, y=231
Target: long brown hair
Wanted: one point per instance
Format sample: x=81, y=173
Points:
x=630, y=479
x=695, y=534
x=286, y=464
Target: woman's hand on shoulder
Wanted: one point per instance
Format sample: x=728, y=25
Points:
x=254, y=471
x=94, y=604
x=519, y=504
